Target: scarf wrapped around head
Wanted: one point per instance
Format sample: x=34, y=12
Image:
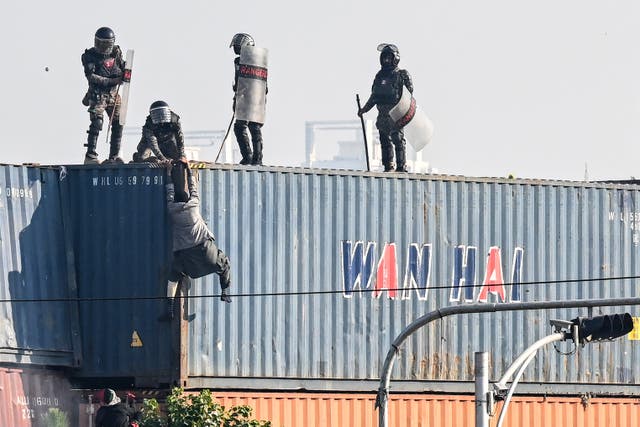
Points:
x=110, y=397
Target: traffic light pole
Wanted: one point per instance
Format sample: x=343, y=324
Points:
x=518, y=366
x=482, y=388
x=385, y=375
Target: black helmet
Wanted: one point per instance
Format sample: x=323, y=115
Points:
x=389, y=55
x=104, y=40
x=240, y=40
x=160, y=112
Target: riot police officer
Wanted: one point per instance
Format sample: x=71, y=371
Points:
x=250, y=155
x=386, y=91
x=104, y=68
x=162, y=138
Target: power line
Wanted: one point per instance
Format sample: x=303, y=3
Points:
x=329, y=292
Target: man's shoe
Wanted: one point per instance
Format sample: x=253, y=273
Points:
x=225, y=297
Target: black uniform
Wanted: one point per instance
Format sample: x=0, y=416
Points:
x=242, y=128
x=385, y=93
x=118, y=415
x=104, y=71
x=163, y=141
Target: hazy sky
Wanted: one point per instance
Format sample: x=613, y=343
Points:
x=535, y=88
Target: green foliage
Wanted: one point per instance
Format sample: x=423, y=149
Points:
x=151, y=416
x=199, y=410
x=193, y=411
x=239, y=416
x=55, y=418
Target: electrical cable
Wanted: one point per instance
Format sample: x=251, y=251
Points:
x=309, y=293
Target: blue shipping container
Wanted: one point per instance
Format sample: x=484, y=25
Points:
x=43, y=330
x=120, y=241
x=316, y=257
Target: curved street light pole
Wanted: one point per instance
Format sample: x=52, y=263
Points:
x=385, y=376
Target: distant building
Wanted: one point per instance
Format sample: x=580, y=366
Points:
x=339, y=144
x=333, y=144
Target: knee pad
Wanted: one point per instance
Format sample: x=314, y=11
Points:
x=96, y=125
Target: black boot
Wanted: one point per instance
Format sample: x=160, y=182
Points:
x=92, y=156
x=116, y=139
x=257, y=153
x=244, y=143
x=401, y=157
x=256, y=139
x=387, y=157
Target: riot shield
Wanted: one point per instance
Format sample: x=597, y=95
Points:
x=407, y=114
x=251, y=91
x=126, y=82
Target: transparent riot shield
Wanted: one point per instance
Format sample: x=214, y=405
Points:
x=251, y=91
x=418, y=128
x=126, y=83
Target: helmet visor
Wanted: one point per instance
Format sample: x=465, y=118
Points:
x=104, y=46
x=160, y=115
x=392, y=47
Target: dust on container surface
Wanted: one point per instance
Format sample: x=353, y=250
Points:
x=121, y=251
x=352, y=259
x=357, y=257
x=35, y=397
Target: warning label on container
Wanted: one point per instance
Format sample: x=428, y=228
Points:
x=135, y=339
x=635, y=334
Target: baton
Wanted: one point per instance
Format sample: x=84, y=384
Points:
x=225, y=137
x=364, y=133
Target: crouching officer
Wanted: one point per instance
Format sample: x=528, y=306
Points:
x=162, y=138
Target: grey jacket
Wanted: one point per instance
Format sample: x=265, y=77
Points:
x=189, y=229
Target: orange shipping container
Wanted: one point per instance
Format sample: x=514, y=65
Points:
x=421, y=410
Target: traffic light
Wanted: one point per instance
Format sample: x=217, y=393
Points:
x=603, y=328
